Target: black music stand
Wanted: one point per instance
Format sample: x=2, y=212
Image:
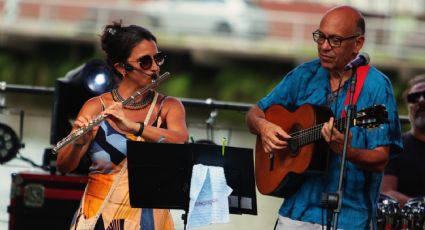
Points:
x=159, y=174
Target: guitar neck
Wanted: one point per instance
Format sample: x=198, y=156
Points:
x=310, y=135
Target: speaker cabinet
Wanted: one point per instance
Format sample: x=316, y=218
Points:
x=40, y=200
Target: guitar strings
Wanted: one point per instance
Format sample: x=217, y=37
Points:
x=304, y=136
x=315, y=129
x=339, y=122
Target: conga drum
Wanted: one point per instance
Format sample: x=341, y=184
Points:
x=387, y=213
x=413, y=214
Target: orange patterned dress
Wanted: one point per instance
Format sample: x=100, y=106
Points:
x=108, y=155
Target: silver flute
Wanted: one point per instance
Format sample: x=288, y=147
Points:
x=96, y=121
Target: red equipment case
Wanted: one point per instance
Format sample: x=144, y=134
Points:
x=40, y=200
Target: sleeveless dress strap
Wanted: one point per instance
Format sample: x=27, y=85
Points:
x=158, y=121
x=148, y=116
x=102, y=103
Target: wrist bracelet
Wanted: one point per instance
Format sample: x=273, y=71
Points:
x=140, y=131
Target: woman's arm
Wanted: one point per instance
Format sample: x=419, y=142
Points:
x=70, y=155
x=174, y=115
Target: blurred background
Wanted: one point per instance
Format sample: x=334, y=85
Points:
x=223, y=56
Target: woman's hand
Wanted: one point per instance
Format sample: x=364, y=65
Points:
x=82, y=122
x=115, y=114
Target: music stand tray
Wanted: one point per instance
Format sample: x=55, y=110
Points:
x=159, y=174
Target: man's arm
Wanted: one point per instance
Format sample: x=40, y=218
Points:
x=255, y=116
x=370, y=159
x=389, y=188
x=272, y=136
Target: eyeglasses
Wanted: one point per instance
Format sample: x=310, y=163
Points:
x=146, y=61
x=334, y=41
x=415, y=97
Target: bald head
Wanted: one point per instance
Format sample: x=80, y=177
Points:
x=347, y=16
x=346, y=25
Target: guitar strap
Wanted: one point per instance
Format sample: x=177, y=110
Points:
x=361, y=77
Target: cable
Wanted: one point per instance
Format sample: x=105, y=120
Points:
x=20, y=157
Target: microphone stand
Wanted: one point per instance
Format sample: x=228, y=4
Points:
x=333, y=201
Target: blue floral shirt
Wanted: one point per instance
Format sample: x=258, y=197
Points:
x=309, y=84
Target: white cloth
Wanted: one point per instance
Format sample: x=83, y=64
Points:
x=209, y=194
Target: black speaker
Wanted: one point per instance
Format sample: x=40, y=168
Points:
x=73, y=90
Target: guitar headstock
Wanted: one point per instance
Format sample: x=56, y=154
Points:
x=371, y=117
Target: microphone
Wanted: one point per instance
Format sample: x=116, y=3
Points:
x=130, y=68
x=361, y=60
x=151, y=76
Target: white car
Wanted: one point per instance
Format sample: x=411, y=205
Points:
x=210, y=17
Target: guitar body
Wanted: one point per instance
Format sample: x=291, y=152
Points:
x=281, y=173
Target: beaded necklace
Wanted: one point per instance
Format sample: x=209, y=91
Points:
x=132, y=104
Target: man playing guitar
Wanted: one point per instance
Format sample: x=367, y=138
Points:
x=325, y=82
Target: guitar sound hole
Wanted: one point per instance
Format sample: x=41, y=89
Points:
x=293, y=143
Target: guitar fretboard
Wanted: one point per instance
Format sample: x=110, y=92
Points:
x=310, y=135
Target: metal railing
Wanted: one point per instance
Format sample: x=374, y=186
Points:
x=190, y=102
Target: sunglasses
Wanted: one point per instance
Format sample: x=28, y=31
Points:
x=146, y=61
x=414, y=97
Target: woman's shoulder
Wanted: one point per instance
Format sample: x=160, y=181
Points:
x=170, y=103
x=98, y=103
x=169, y=100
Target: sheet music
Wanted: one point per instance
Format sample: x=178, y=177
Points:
x=208, y=196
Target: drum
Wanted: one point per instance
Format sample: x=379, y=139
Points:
x=388, y=213
x=413, y=214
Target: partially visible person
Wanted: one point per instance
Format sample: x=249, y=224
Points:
x=324, y=82
x=404, y=175
x=132, y=52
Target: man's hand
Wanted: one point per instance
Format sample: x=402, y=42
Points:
x=333, y=137
x=273, y=137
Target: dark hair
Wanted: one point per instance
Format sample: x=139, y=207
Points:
x=361, y=25
x=416, y=80
x=117, y=41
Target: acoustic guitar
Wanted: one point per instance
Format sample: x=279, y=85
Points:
x=281, y=173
